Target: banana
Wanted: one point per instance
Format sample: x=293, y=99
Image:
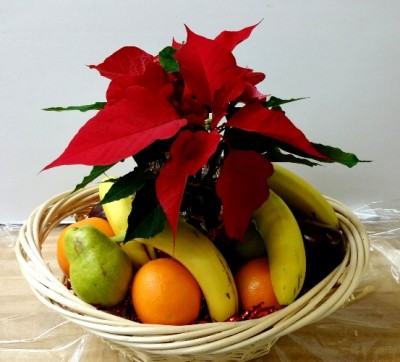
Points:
x=117, y=213
x=207, y=265
x=137, y=252
x=301, y=196
x=285, y=247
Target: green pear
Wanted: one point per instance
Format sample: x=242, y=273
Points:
x=100, y=271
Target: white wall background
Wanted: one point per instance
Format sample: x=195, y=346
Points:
x=344, y=55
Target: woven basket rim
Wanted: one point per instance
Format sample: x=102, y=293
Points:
x=202, y=340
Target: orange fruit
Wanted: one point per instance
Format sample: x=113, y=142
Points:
x=97, y=222
x=165, y=292
x=253, y=282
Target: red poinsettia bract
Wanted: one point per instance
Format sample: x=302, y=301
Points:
x=189, y=153
x=242, y=188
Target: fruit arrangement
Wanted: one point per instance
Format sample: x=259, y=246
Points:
x=191, y=278
x=208, y=226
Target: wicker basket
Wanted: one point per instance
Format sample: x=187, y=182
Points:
x=227, y=341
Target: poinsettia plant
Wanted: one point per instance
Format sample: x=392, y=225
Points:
x=200, y=132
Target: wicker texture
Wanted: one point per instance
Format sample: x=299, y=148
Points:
x=228, y=341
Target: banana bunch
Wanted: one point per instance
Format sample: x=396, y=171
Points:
x=281, y=233
x=205, y=262
x=301, y=196
x=117, y=213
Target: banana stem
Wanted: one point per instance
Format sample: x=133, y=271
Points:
x=118, y=238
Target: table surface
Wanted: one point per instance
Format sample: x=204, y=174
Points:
x=367, y=329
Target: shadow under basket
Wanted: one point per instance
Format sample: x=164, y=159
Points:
x=226, y=341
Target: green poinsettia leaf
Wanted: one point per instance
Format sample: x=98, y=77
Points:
x=274, y=154
x=94, y=173
x=125, y=186
x=167, y=60
x=148, y=226
x=147, y=217
x=275, y=102
x=337, y=155
x=84, y=108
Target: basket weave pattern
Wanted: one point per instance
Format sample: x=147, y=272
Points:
x=227, y=341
